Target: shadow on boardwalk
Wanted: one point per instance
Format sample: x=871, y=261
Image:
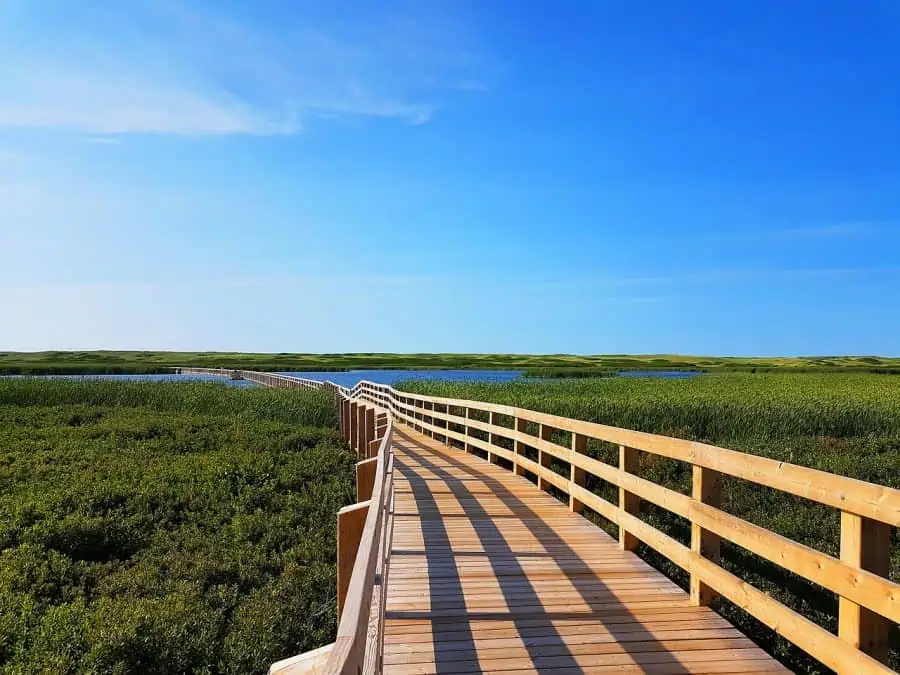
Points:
x=507, y=591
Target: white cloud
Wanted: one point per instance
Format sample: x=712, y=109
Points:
x=824, y=231
x=103, y=105
x=183, y=67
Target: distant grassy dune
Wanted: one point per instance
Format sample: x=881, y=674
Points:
x=546, y=365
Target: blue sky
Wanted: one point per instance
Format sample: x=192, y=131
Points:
x=663, y=176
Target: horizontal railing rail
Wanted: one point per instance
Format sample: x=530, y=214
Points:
x=257, y=376
x=357, y=647
x=363, y=529
x=869, y=602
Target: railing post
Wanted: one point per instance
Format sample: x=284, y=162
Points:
x=435, y=408
x=360, y=429
x=628, y=501
x=446, y=412
x=365, y=479
x=707, y=490
x=350, y=522
x=865, y=543
x=492, y=419
x=517, y=447
x=351, y=426
x=466, y=444
x=370, y=431
x=576, y=475
x=544, y=458
x=381, y=424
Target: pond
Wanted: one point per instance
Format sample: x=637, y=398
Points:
x=351, y=377
x=391, y=377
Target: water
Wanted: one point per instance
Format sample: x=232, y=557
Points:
x=391, y=377
x=350, y=378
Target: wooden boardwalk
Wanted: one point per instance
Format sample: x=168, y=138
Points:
x=490, y=574
x=450, y=564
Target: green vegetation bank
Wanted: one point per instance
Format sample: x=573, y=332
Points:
x=165, y=527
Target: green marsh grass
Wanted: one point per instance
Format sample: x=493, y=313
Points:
x=163, y=527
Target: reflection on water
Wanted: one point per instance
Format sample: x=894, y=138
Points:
x=350, y=378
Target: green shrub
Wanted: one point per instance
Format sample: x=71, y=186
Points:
x=165, y=527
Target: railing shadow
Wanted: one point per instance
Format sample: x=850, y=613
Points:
x=546, y=647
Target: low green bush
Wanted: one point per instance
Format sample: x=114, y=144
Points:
x=165, y=528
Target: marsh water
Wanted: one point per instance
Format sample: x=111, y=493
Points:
x=351, y=377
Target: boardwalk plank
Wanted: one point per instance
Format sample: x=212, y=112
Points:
x=490, y=574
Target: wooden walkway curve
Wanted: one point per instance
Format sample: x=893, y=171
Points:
x=490, y=574
x=449, y=563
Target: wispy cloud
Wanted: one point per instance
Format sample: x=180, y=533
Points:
x=695, y=277
x=791, y=234
x=99, y=139
x=189, y=67
x=756, y=275
x=825, y=231
x=113, y=105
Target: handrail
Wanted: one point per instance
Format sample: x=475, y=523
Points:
x=357, y=646
x=868, y=601
x=350, y=647
x=257, y=376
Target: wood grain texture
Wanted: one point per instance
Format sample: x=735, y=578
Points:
x=877, y=502
x=490, y=573
x=350, y=522
x=706, y=490
x=865, y=544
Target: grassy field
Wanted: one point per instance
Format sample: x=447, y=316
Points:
x=847, y=424
x=540, y=365
x=165, y=527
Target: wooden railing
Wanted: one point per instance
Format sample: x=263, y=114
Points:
x=868, y=601
x=363, y=530
x=259, y=377
x=364, y=540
